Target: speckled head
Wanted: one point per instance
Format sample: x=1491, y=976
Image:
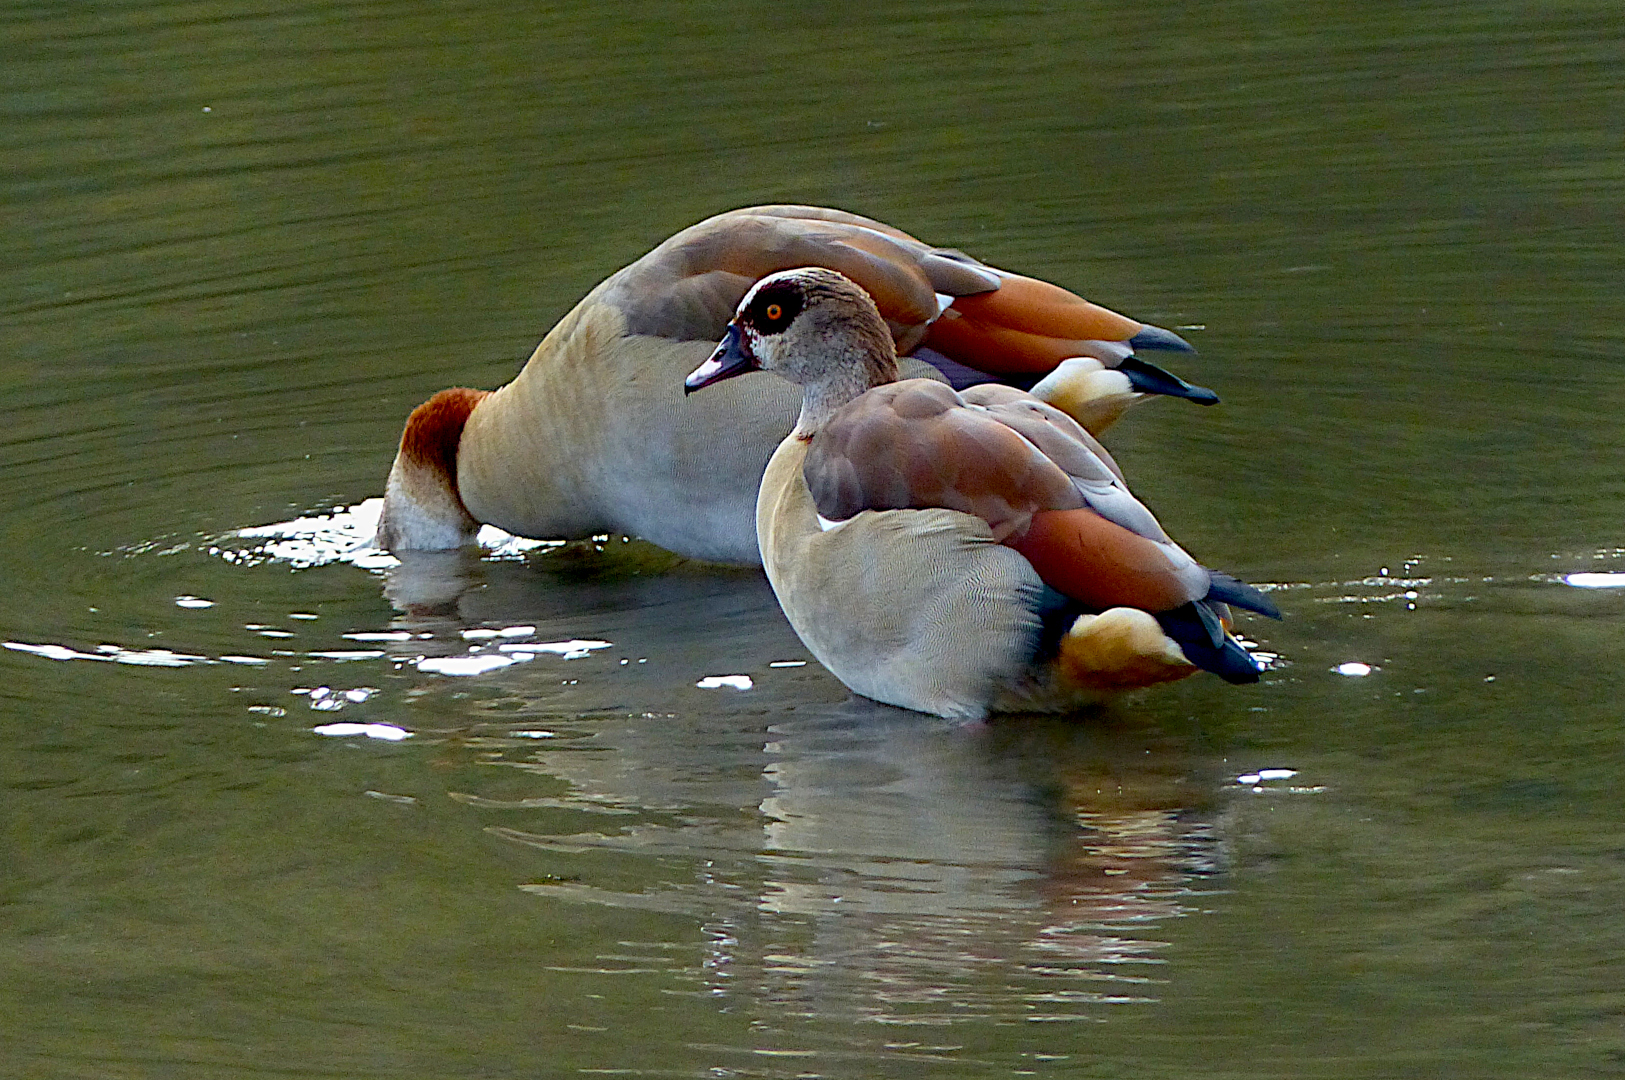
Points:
x=809, y=326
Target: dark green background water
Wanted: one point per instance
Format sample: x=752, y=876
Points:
x=241, y=240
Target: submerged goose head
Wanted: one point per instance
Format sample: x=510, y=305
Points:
x=813, y=327
x=586, y=439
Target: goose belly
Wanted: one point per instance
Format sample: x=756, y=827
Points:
x=916, y=608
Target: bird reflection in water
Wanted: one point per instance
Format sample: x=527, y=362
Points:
x=845, y=860
x=861, y=862
x=932, y=871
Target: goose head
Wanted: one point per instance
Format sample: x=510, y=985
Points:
x=814, y=327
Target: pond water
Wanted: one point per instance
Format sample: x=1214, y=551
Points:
x=273, y=806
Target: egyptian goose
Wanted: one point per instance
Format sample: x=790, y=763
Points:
x=945, y=551
x=594, y=437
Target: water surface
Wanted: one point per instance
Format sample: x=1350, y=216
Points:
x=269, y=810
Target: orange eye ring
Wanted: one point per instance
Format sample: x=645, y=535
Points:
x=774, y=312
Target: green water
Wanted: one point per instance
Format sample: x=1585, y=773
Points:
x=241, y=241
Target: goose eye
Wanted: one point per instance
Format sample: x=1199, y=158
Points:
x=774, y=312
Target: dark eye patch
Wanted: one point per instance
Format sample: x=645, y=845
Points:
x=774, y=308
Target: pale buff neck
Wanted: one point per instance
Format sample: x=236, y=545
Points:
x=870, y=360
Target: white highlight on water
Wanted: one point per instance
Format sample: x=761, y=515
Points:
x=388, y=732
x=464, y=665
x=732, y=682
x=346, y=534
x=1613, y=580
x=113, y=654
x=574, y=649
x=1265, y=775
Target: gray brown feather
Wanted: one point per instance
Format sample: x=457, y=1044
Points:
x=918, y=444
x=688, y=288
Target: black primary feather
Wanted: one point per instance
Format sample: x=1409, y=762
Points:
x=1228, y=590
x=1229, y=661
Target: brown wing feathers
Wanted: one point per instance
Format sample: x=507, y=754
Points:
x=918, y=444
x=1001, y=323
x=689, y=286
x=1061, y=439
x=913, y=444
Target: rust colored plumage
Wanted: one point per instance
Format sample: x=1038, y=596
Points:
x=1101, y=564
x=1025, y=303
x=1027, y=326
x=435, y=428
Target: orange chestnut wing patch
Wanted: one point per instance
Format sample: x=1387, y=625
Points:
x=1027, y=326
x=1101, y=564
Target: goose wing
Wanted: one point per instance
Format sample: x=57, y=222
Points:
x=972, y=314
x=689, y=287
x=1043, y=485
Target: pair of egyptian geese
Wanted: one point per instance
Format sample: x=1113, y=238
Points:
x=939, y=541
